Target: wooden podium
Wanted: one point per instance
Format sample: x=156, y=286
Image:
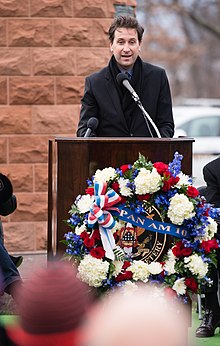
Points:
x=73, y=160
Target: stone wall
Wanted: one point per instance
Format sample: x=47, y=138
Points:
x=46, y=50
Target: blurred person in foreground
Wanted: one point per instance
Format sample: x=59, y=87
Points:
x=142, y=317
x=106, y=98
x=211, y=318
x=52, y=306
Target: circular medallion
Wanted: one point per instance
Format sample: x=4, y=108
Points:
x=140, y=244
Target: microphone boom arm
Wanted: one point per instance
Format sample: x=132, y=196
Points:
x=146, y=115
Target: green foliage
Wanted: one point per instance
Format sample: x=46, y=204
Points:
x=142, y=162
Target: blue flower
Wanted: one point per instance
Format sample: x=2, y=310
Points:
x=174, y=167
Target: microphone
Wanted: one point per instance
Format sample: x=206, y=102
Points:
x=122, y=78
x=92, y=124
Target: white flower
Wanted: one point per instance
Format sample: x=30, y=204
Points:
x=80, y=229
x=210, y=230
x=147, y=181
x=171, y=255
x=169, y=266
x=184, y=180
x=196, y=265
x=155, y=268
x=116, y=227
x=140, y=271
x=93, y=271
x=84, y=203
x=180, y=208
x=118, y=267
x=125, y=191
x=105, y=174
x=179, y=286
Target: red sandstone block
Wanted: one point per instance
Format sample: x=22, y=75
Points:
x=28, y=149
x=69, y=90
x=81, y=32
x=15, y=61
x=16, y=119
x=2, y=32
x=31, y=90
x=14, y=8
x=52, y=8
x=53, y=61
x=41, y=235
x=126, y=2
x=3, y=149
x=30, y=32
x=3, y=91
x=21, y=176
x=55, y=119
x=41, y=177
x=94, y=8
x=20, y=236
x=91, y=60
x=31, y=207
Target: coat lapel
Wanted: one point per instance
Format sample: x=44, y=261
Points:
x=115, y=99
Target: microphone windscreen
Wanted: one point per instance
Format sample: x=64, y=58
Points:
x=92, y=123
x=121, y=77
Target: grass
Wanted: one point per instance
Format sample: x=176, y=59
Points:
x=212, y=341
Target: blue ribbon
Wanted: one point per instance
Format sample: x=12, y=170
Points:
x=152, y=225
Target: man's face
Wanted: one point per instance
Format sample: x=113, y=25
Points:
x=125, y=47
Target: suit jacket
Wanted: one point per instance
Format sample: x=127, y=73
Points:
x=101, y=100
x=211, y=172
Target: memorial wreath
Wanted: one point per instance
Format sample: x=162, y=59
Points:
x=120, y=205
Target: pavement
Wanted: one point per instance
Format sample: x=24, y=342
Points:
x=31, y=261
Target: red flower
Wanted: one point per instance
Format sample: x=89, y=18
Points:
x=97, y=252
x=127, y=275
x=144, y=197
x=96, y=235
x=161, y=167
x=126, y=264
x=123, y=200
x=90, y=191
x=187, y=251
x=180, y=251
x=115, y=186
x=89, y=242
x=84, y=235
x=179, y=244
x=177, y=249
x=209, y=245
x=177, y=252
x=170, y=182
x=125, y=168
x=191, y=284
x=192, y=192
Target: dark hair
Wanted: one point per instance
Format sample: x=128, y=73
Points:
x=125, y=22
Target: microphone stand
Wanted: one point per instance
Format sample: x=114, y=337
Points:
x=146, y=115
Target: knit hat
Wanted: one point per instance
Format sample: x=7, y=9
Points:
x=51, y=305
x=6, y=189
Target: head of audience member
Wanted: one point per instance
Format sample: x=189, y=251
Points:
x=143, y=317
x=125, y=36
x=52, y=305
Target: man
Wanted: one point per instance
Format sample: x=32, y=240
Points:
x=211, y=319
x=8, y=264
x=112, y=104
